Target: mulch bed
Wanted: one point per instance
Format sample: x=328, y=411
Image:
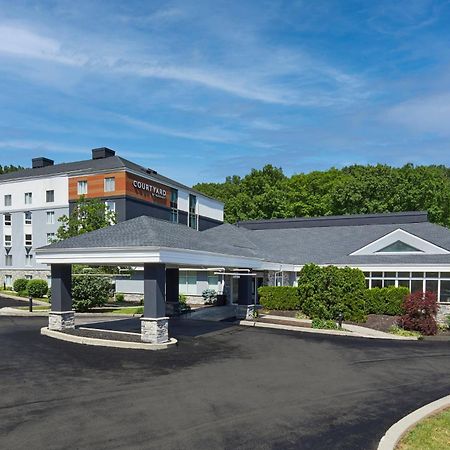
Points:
x=101, y=334
x=379, y=322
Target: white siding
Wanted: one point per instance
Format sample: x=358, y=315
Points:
x=208, y=207
x=38, y=187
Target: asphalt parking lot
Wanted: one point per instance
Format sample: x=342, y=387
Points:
x=231, y=387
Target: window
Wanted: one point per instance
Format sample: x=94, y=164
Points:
x=213, y=281
x=82, y=187
x=110, y=184
x=8, y=260
x=50, y=196
x=174, y=206
x=28, y=240
x=398, y=247
x=28, y=277
x=110, y=205
x=28, y=219
x=8, y=240
x=7, y=220
x=50, y=217
x=445, y=291
x=8, y=280
x=28, y=260
x=192, y=211
x=8, y=200
x=188, y=283
x=50, y=237
x=416, y=285
x=28, y=198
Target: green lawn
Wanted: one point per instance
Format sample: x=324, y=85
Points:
x=430, y=434
x=35, y=308
x=129, y=310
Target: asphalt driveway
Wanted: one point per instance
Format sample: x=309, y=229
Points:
x=231, y=387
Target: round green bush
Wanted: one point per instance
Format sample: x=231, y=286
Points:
x=89, y=291
x=37, y=288
x=20, y=284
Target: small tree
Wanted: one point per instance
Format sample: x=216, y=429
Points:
x=88, y=215
x=420, y=313
x=37, y=288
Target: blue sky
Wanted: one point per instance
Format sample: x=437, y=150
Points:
x=203, y=89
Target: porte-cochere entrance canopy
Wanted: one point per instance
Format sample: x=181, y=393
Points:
x=402, y=247
x=160, y=247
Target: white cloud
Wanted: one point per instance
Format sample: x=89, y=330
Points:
x=425, y=114
x=258, y=79
x=211, y=134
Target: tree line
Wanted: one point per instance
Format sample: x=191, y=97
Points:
x=10, y=168
x=268, y=193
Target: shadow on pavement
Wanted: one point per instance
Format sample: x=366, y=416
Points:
x=177, y=327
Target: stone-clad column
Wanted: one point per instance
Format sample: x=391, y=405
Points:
x=172, y=292
x=61, y=316
x=245, y=308
x=154, y=323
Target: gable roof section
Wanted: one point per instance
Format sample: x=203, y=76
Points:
x=417, y=244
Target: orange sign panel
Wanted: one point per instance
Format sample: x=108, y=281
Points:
x=125, y=184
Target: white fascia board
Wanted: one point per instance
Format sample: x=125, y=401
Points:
x=135, y=256
x=424, y=246
x=391, y=267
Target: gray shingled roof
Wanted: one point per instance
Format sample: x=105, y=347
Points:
x=321, y=245
x=145, y=231
x=93, y=166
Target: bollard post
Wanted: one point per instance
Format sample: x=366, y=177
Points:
x=30, y=304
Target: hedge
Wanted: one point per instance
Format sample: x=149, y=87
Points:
x=388, y=300
x=20, y=285
x=327, y=291
x=279, y=297
x=37, y=288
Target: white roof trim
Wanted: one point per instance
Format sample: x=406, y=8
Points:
x=424, y=247
x=141, y=255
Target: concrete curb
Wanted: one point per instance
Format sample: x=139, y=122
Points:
x=14, y=312
x=106, y=342
x=319, y=331
x=399, y=429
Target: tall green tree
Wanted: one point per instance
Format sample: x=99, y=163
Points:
x=87, y=215
x=356, y=189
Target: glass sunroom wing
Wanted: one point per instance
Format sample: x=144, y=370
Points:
x=398, y=247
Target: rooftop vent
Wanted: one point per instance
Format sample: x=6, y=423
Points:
x=40, y=162
x=102, y=152
x=151, y=172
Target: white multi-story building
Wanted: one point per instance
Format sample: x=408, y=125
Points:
x=32, y=201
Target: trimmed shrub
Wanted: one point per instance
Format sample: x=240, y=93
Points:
x=37, y=288
x=210, y=296
x=279, y=297
x=20, y=284
x=420, y=313
x=388, y=300
x=120, y=297
x=89, y=291
x=327, y=291
x=324, y=324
